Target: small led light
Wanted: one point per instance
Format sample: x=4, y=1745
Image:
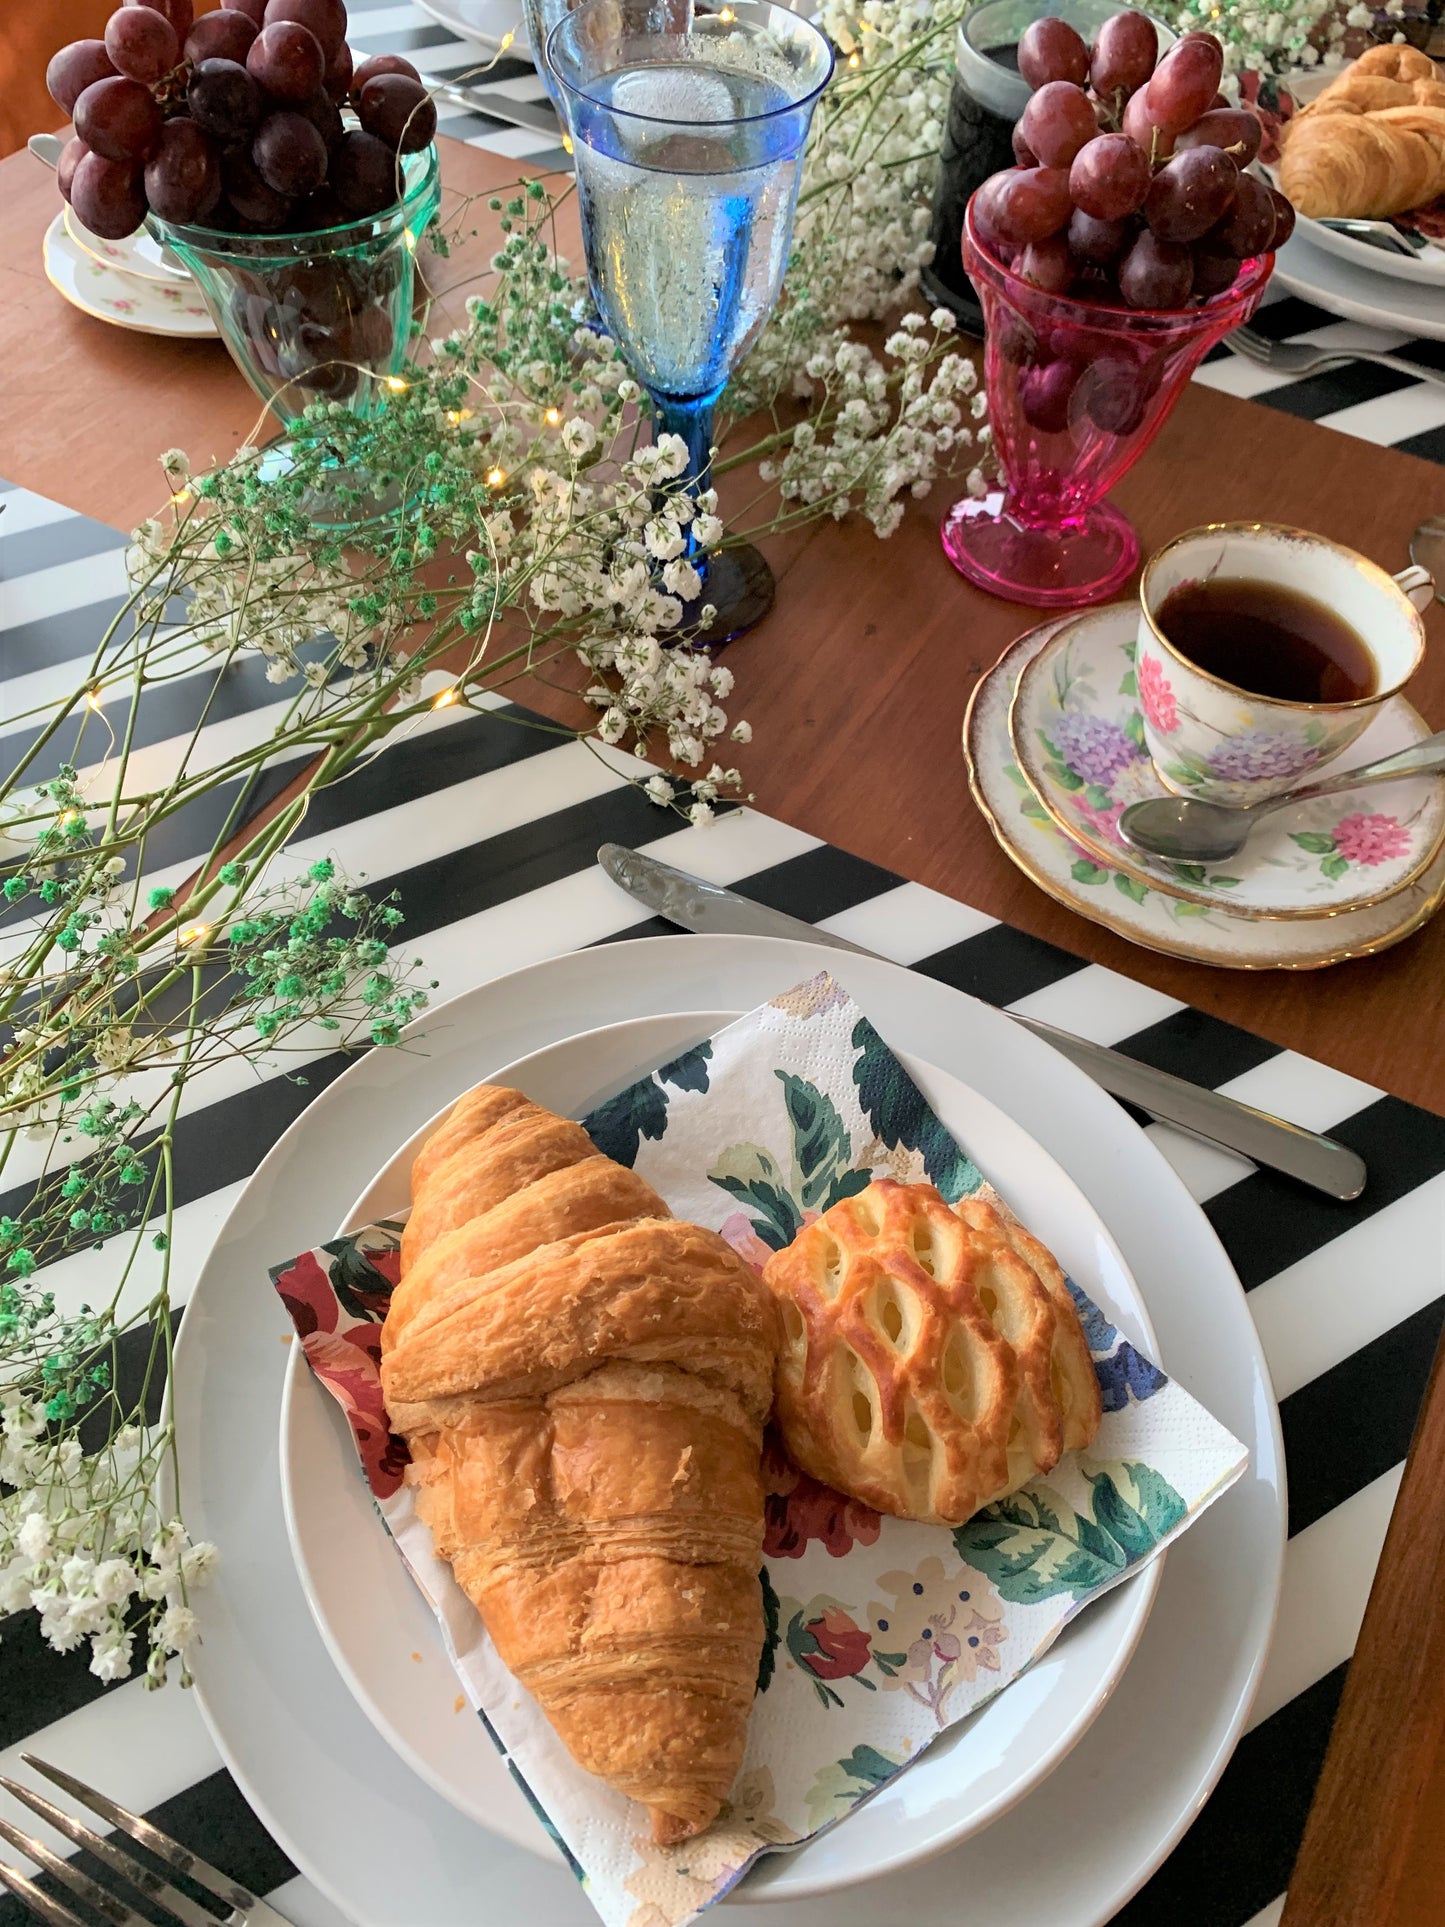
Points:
x=456, y=415
x=181, y=495
x=408, y=240
x=852, y=60
x=70, y=816
x=567, y=143
x=495, y=478
x=94, y=699
x=193, y=933
x=507, y=39
x=554, y=416
x=396, y=384
x=446, y=698
x=727, y=14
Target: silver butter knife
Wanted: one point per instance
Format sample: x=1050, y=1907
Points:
x=1320, y=1162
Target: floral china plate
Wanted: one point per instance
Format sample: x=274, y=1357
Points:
x=1104, y=893
x=139, y=254
x=109, y=294
x=1077, y=732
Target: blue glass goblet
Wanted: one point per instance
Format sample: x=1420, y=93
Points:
x=688, y=130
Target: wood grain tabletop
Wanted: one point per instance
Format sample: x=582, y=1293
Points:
x=856, y=686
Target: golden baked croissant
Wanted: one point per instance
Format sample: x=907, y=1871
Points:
x=583, y=1383
x=1373, y=143
x=932, y=1359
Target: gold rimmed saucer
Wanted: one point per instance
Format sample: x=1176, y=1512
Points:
x=1070, y=874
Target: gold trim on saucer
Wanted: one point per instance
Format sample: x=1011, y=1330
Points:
x=1093, y=914
x=1118, y=857
x=1361, y=563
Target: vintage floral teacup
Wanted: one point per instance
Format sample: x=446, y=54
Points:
x=1212, y=739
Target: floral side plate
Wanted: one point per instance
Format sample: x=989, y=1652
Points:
x=139, y=254
x=1105, y=894
x=1078, y=736
x=146, y=307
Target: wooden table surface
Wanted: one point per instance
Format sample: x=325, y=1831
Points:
x=856, y=686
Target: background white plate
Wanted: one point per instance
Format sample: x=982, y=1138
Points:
x=488, y=22
x=1385, y=301
x=386, y=1849
x=365, y=1605
x=146, y=307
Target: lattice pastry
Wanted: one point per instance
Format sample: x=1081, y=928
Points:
x=932, y=1358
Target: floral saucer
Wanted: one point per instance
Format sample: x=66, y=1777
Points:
x=138, y=254
x=148, y=307
x=1078, y=736
x=1069, y=873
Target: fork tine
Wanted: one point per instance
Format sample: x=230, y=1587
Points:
x=39, y=1903
x=134, y=1872
x=220, y=1886
x=103, y=1901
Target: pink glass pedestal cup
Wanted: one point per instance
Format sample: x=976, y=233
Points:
x=1077, y=390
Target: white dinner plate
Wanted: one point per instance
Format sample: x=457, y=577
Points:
x=1358, y=293
x=488, y=22
x=364, y=1602
x=369, y=1832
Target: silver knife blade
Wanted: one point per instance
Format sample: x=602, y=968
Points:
x=1322, y=1163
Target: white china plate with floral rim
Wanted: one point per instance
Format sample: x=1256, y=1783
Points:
x=1078, y=736
x=139, y=254
x=380, y=1843
x=1106, y=894
x=367, y=1610
x=172, y=308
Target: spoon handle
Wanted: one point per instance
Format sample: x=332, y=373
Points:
x=1420, y=759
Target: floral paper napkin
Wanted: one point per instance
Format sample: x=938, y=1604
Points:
x=880, y=1633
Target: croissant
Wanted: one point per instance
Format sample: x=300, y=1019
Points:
x=1373, y=143
x=583, y=1382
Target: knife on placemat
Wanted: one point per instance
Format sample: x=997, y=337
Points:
x=1320, y=1162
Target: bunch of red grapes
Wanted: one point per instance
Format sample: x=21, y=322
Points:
x=233, y=121
x=1130, y=181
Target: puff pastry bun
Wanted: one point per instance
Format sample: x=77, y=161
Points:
x=583, y=1382
x=1373, y=143
x=932, y=1359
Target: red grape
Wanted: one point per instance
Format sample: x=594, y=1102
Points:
x=1146, y=133
x=1109, y=177
x=180, y=14
x=1098, y=242
x=1156, y=274
x=376, y=64
x=286, y=61
x=1283, y=218
x=1191, y=193
x=224, y=99
x=183, y=176
x=1115, y=393
x=118, y=119
x=258, y=205
x=289, y=153
x=71, y=155
x=75, y=68
x=364, y=174
x=1220, y=100
x=1235, y=129
x=1050, y=49
x=325, y=18
x=225, y=35
x=254, y=10
x=983, y=212
x=1248, y=227
x=1023, y=153
x=318, y=210
x=1213, y=273
x=108, y=196
x=142, y=43
x=1184, y=83
x=1057, y=121
x=1031, y=203
x=1045, y=393
x=1124, y=52
x=338, y=73
x=1047, y=264
x=325, y=116
x=399, y=111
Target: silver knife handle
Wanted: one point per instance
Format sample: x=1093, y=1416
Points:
x=1321, y=1162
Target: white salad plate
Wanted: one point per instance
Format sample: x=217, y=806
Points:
x=380, y=1842
x=368, y=1612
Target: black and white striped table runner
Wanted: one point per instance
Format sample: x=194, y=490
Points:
x=489, y=835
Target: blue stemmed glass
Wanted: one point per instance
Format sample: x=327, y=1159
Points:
x=688, y=128
x=541, y=17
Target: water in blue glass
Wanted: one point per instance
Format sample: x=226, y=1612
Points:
x=687, y=187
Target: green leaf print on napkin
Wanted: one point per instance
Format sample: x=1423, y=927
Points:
x=618, y=1126
x=1033, y=1552
x=746, y=1172
x=768, y=1657
x=822, y=1148
x=842, y=1783
x=895, y=1107
x=689, y=1071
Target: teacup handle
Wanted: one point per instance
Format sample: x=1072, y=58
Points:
x=1417, y=585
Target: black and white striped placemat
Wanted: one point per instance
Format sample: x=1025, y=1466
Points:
x=1376, y=404
x=489, y=834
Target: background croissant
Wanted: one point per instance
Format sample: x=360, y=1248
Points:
x=1373, y=143
x=583, y=1381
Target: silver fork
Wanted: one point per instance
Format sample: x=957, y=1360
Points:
x=243, y=1909
x=1308, y=358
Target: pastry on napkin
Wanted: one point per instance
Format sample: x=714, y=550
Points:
x=880, y=1633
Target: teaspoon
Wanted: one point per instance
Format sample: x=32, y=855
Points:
x=1185, y=829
